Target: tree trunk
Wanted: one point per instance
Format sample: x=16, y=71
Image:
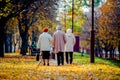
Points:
x=111, y=55
x=24, y=43
x=96, y=52
x=11, y=48
x=100, y=52
x=19, y=42
x=119, y=48
x=24, y=36
x=106, y=54
x=15, y=47
x=2, y=36
x=6, y=44
x=1, y=45
x=33, y=36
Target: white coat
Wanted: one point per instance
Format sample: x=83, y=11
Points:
x=45, y=42
x=69, y=46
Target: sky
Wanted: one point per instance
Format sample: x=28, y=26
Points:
x=85, y=9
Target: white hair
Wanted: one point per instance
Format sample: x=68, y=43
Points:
x=69, y=31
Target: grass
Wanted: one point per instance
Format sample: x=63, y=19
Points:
x=86, y=60
x=17, y=67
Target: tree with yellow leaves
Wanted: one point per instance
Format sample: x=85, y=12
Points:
x=8, y=10
x=24, y=10
x=42, y=10
x=108, y=27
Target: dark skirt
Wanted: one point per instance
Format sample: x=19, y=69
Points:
x=45, y=54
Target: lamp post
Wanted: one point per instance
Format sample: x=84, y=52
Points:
x=92, y=36
x=72, y=15
x=65, y=17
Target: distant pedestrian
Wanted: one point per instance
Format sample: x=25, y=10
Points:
x=33, y=48
x=59, y=40
x=45, y=44
x=69, y=46
x=33, y=45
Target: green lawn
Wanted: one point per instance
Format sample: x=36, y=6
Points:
x=86, y=60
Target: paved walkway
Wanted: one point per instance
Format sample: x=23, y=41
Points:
x=52, y=62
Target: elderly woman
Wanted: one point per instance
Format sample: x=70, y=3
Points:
x=69, y=46
x=59, y=40
x=44, y=43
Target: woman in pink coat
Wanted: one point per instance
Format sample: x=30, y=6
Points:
x=59, y=40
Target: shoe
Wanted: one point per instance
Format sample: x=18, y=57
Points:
x=44, y=64
x=48, y=64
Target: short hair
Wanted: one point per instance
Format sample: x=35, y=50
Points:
x=58, y=27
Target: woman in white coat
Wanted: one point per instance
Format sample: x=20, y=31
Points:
x=45, y=43
x=69, y=46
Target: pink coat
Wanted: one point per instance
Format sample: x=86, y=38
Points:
x=59, y=40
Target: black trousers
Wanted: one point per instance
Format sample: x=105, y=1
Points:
x=69, y=57
x=60, y=58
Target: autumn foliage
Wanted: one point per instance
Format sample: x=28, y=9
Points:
x=108, y=30
x=15, y=66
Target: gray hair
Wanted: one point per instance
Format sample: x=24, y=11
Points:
x=58, y=27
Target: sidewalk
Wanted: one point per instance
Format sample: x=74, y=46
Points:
x=52, y=62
